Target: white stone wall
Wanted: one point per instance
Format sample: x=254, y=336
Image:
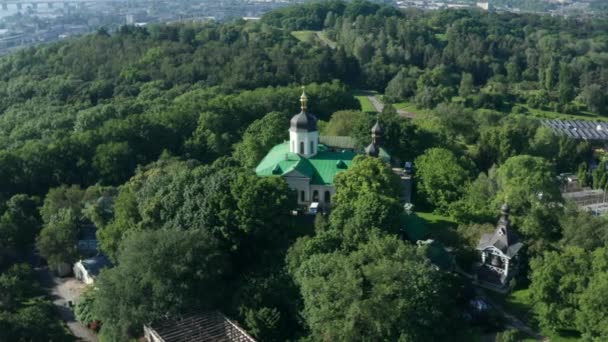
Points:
x=305, y=137
x=300, y=184
x=321, y=191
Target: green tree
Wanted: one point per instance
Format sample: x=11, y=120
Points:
x=595, y=98
x=114, y=161
x=260, y=137
x=525, y=180
x=442, y=177
x=369, y=294
x=57, y=240
x=19, y=225
x=85, y=306
x=558, y=280
x=161, y=281
x=466, y=85
x=343, y=123
x=366, y=174
x=584, y=230
x=583, y=175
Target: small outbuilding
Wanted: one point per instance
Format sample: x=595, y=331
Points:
x=86, y=270
x=209, y=326
x=499, y=253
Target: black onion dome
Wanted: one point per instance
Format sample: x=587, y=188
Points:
x=372, y=150
x=377, y=129
x=304, y=121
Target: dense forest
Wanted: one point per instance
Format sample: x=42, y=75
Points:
x=151, y=134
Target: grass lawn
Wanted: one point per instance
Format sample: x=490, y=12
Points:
x=325, y=40
x=366, y=105
x=555, y=115
x=313, y=37
x=411, y=107
x=426, y=225
x=304, y=36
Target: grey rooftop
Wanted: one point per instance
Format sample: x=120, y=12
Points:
x=579, y=129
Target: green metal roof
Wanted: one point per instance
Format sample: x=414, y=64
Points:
x=321, y=169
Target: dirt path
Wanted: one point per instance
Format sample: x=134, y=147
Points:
x=63, y=290
x=513, y=321
x=379, y=106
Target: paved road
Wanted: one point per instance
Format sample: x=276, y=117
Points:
x=379, y=106
x=61, y=291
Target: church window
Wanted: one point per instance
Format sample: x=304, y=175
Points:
x=312, y=147
x=302, y=196
x=301, y=147
x=315, y=196
x=327, y=197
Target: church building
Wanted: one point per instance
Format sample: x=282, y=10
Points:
x=499, y=253
x=308, y=166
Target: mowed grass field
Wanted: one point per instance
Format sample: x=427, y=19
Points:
x=362, y=97
x=313, y=37
x=304, y=36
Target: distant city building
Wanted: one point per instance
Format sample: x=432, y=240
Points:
x=499, y=253
x=484, y=5
x=130, y=19
x=205, y=327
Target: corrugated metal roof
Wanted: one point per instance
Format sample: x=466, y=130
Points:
x=579, y=129
x=321, y=168
x=204, y=327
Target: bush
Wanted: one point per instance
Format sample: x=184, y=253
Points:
x=510, y=335
x=520, y=110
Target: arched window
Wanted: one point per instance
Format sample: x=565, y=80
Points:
x=327, y=197
x=301, y=147
x=302, y=196
x=312, y=147
x=315, y=196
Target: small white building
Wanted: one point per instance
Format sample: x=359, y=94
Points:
x=86, y=270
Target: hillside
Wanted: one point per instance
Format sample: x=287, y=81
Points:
x=151, y=135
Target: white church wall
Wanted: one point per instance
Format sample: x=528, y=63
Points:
x=304, y=139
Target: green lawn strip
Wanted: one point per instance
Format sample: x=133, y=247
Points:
x=322, y=36
x=304, y=36
x=366, y=105
x=426, y=225
x=540, y=113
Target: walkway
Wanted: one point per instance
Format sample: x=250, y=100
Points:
x=62, y=291
x=379, y=106
x=513, y=321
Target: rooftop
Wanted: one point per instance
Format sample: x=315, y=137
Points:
x=210, y=326
x=579, y=129
x=321, y=168
x=504, y=238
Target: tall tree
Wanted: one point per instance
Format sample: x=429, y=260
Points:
x=369, y=294
x=160, y=281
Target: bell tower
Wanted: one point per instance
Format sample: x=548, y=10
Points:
x=303, y=133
